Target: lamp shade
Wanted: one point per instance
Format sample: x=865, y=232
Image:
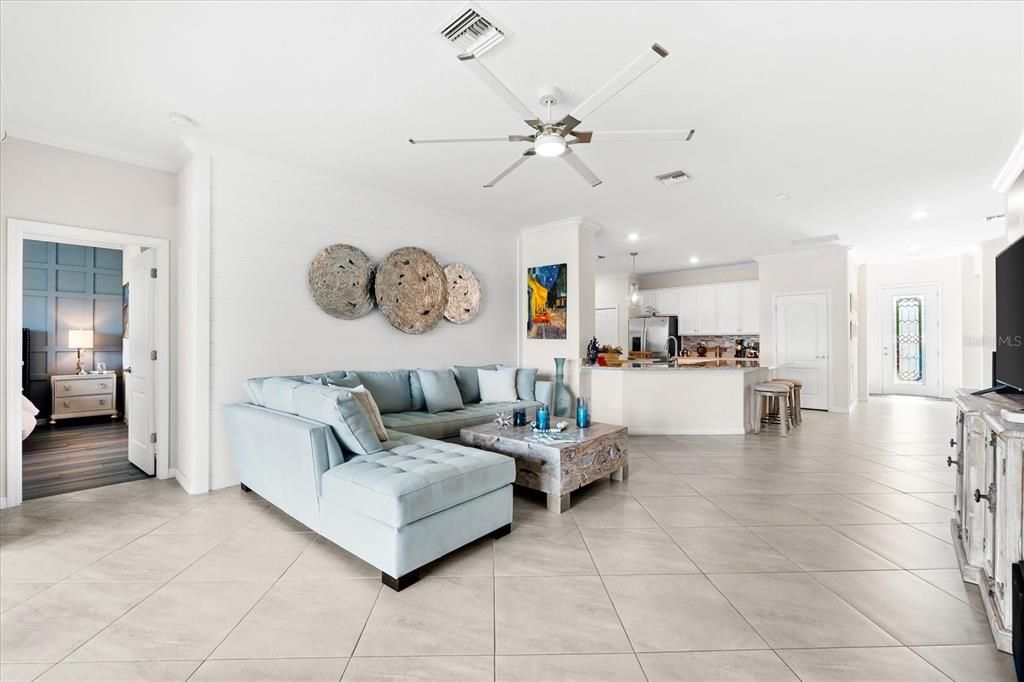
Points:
x=79, y=338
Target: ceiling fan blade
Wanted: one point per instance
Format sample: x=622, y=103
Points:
x=633, y=70
x=498, y=87
x=515, y=164
x=438, y=140
x=583, y=169
x=640, y=135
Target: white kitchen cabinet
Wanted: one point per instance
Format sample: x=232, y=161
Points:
x=750, y=308
x=989, y=503
x=648, y=299
x=727, y=307
x=667, y=302
x=707, y=310
x=688, y=322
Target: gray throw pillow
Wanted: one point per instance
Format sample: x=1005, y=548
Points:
x=390, y=388
x=440, y=391
x=469, y=383
x=310, y=379
x=419, y=403
x=278, y=394
x=343, y=412
x=350, y=381
x=526, y=381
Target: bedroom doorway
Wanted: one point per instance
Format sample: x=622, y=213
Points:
x=89, y=313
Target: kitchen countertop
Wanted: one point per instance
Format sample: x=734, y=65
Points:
x=728, y=364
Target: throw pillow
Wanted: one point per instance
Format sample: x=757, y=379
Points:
x=390, y=388
x=419, y=403
x=440, y=392
x=278, y=394
x=349, y=381
x=343, y=412
x=372, y=411
x=469, y=384
x=310, y=379
x=497, y=385
x=526, y=382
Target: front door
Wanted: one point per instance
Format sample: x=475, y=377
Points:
x=802, y=343
x=910, y=341
x=140, y=369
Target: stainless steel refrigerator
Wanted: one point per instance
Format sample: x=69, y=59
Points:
x=652, y=334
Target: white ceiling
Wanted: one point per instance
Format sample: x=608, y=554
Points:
x=861, y=112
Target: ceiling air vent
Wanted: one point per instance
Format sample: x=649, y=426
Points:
x=672, y=178
x=468, y=30
x=993, y=218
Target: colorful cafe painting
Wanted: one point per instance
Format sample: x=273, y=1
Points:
x=546, y=299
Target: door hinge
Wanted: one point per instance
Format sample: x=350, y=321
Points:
x=152, y=355
x=152, y=273
x=152, y=437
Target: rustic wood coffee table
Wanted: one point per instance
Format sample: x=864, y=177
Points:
x=557, y=469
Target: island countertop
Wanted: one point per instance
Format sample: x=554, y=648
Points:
x=730, y=364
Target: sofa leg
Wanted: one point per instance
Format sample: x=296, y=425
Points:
x=245, y=488
x=402, y=582
x=502, y=532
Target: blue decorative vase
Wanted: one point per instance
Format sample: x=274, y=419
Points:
x=562, y=399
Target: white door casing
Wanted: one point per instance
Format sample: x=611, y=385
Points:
x=930, y=383
x=140, y=377
x=802, y=343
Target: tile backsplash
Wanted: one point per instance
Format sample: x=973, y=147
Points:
x=726, y=343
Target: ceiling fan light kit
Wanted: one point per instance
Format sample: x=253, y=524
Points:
x=550, y=138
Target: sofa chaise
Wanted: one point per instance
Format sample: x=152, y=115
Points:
x=416, y=499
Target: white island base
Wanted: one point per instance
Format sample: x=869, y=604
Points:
x=676, y=400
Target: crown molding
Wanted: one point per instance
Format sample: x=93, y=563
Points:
x=804, y=253
x=72, y=144
x=1012, y=169
x=574, y=221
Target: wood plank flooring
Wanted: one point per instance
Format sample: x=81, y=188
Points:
x=76, y=456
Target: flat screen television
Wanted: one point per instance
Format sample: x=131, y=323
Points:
x=1009, y=360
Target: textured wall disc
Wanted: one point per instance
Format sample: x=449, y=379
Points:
x=341, y=281
x=464, y=293
x=411, y=290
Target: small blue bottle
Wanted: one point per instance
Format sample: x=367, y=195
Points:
x=582, y=413
x=543, y=418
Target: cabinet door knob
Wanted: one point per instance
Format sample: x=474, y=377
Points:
x=952, y=442
x=950, y=462
x=102, y=401
x=991, y=497
x=67, y=387
x=67, y=403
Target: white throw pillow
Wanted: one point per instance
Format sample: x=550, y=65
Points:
x=497, y=385
x=365, y=398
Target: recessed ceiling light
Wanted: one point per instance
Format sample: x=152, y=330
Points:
x=632, y=236
x=915, y=247
x=919, y=214
x=181, y=120
x=694, y=259
x=782, y=196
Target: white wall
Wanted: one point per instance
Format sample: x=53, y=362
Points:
x=610, y=292
x=572, y=242
x=48, y=184
x=947, y=274
x=815, y=270
x=697, y=276
x=268, y=221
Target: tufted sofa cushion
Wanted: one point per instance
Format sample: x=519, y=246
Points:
x=448, y=424
x=414, y=477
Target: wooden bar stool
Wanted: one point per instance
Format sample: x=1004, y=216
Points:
x=794, y=417
x=772, y=401
x=797, y=405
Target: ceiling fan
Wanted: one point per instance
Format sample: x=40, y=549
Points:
x=556, y=138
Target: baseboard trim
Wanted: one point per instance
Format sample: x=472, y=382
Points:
x=183, y=480
x=3, y=503
x=633, y=431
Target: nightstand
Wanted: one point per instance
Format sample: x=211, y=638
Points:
x=83, y=395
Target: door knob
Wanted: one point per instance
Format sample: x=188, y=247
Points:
x=991, y=497
x=950, y=462
x=952, y=442
x=127, y=370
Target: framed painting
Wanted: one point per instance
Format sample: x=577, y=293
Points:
x=546, y=301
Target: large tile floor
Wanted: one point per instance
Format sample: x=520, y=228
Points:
x=824, y=556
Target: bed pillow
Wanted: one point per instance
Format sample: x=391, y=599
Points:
x=440, y=392
x=497, y=385
x=469, y=383
x=343, y=412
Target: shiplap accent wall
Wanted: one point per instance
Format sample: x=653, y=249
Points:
x=268, y=221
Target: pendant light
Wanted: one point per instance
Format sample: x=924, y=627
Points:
x=634, y=285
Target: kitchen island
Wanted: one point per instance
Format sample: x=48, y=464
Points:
x=710, y=396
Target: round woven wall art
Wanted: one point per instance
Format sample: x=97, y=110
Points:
x=411, y=290
x=464, y=293
x=341, y=281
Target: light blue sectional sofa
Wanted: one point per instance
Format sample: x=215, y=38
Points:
x=417, y=498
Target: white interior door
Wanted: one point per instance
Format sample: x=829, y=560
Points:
x=606, y=326
x=140, y=375
x=910, y=341
x=802, y=345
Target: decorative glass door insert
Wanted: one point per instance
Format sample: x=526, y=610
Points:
x=909, y=316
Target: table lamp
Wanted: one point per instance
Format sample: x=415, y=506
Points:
x=79, y=338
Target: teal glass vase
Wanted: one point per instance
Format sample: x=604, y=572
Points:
x=562, y=400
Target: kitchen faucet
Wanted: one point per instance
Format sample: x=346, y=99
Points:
x=676, y=341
